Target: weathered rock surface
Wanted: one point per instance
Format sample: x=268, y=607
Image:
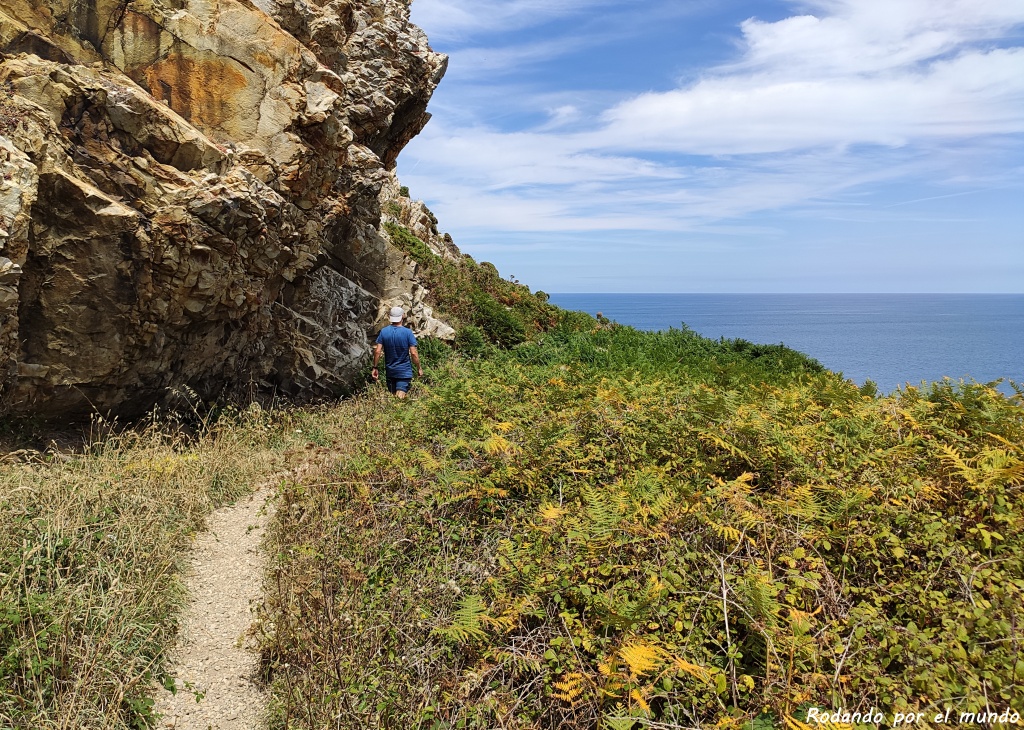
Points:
x=191, y=196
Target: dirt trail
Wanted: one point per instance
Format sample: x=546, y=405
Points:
x=213, y=659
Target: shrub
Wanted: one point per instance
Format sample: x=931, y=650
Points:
x=470, y=341
x=406, y=241
x=499, y=324
x=467, y=293
x=606, y=537
x=433, y=352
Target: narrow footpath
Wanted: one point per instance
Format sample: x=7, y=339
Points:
x=214, y=661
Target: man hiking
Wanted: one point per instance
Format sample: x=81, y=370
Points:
x=398, y=345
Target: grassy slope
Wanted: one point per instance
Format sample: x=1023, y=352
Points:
x=596, y=526
x=619, y=528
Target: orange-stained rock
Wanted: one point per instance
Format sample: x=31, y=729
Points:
x=199, y=88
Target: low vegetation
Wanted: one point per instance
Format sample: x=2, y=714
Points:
x=485, y=308
x=570, y=524
x=91, y=548
x=614, y=529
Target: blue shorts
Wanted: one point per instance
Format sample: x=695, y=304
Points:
x=396, y=385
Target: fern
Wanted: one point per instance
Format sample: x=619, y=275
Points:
x=551, y=512
x=957, y=463
x=640, y=658
x=637, y=696
x=497, y=445
x=694, y=670
x=761, y=598
x=603, y=511
x=793, y=724
x=467, y=623
x=519, y=664
x=617, y=723
x=569, y=688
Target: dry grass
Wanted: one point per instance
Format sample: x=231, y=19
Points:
x=91, y=548
x=355, y=580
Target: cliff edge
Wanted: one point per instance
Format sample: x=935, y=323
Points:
x=191, y=196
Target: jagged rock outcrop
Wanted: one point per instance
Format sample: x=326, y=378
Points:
x=192, y=192
x=405, y=288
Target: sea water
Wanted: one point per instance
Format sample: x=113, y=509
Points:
x=892, y=339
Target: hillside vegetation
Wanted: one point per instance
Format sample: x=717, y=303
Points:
x=569, y=524
x=615, y=529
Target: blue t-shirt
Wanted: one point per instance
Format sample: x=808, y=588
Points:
x=397, y=341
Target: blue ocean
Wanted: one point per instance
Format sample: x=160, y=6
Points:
x=892, y=339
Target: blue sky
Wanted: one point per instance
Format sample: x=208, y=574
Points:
x=728, y=145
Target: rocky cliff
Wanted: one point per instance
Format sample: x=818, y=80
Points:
x=191, y=195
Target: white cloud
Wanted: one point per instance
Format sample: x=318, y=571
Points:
x=847, y=95
x=973, y=94
x=871, y=36
x=562, y=115
x=454, y=19
x=867, y=72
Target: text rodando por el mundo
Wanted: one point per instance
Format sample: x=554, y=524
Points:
x=951, y=717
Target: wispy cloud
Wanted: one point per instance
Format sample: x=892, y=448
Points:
x=493, y=63
x=457, y=19
x=837, y=100
x=868, y=72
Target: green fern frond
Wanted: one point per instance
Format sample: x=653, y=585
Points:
x=519, y=664
x=602, y=512
x=467, y=623
x=617, y=723
x=761, y=598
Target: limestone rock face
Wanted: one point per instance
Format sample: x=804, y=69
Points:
x=191, y=196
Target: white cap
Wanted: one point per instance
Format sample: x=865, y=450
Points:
x=396, y=314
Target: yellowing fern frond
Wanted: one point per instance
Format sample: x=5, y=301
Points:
x=694, y=670
x=793, y=724
x=800, y=621
x=655, y=587
x=498, y=445
x=726, y=532
x=427, y=460
x=1013, y=475
x=551, y=512
x=570, y=688
x=640, y=700
x=952, y=457
x=640, y=658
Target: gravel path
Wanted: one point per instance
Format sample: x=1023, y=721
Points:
x=213, y=659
